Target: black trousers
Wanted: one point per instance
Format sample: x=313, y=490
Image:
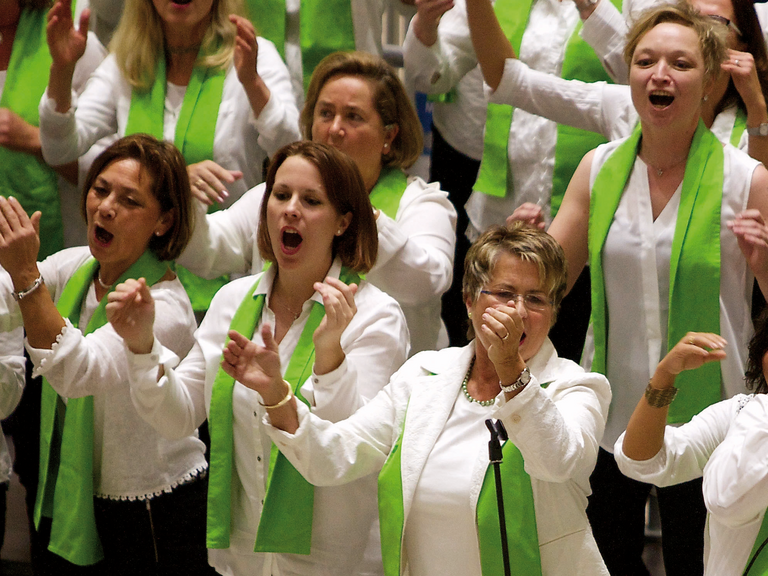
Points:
x=457, y=174
x=616, y=512
x=164, y=536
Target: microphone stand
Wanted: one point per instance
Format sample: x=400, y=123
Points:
x=498, y=432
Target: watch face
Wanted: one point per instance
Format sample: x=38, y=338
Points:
x=525, y=377
x=763, y=129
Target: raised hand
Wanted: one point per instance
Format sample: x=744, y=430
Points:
x=741, y=66
x=339, y=303
x=693, y=350
x=500, y=335
x=131, y=311
x=208, y=181
x=246, y=50
x=752, y=234
x=428, y=14
x=66, y=43
x=256, y=367
x=19, y=242
x=530, y=213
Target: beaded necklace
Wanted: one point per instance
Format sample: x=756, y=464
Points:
x=466, y=392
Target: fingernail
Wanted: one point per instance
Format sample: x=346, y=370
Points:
x=224, y=193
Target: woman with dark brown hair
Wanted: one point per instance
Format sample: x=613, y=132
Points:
x=357, y=104
x=337, y=338
x=114, y=496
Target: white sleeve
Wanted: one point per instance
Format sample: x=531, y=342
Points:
x=605, y=31
x=686, y=449
x=329, y=454
x=558, y=430
x=415, y=258
x=599, y=107
x=94, y=55
x=438, y=68
x=79, y=365
x=12, y=370
x=278, y=122
x=736, y=476
x=375, y=345
x=93, y=115
x=224, y=242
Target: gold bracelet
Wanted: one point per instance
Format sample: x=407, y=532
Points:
x=659, y=398
x=282, y=402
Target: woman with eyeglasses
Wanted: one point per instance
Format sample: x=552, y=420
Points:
x=426, y=432
x=672, y=224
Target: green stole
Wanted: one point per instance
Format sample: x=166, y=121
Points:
x=285, y=525
x=581, y=63
x=325, y=27
x=520, y=519
x=739, y=125
x=195, y=131
x=694, y=268
x=30, y=180
x=758, y=557
x=389, y=190
x=65, y=485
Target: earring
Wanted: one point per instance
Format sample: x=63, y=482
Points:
x=469, y=314
x=706, y=97
x=386, y=145
x=338, y=232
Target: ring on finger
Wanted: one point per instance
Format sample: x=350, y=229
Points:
x=200, y=183
x=737, y=63
x=506, y=336
x=690, y=340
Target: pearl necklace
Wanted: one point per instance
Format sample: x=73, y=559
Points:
x=466, y=392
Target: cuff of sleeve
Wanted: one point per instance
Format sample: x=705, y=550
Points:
x=270, y=117
x=513, y=412
x=281, y=438
x=160, y=355
x=43, y=358
x=600, y=27
x=642, y=470
x=325, y=381
x=510, y=80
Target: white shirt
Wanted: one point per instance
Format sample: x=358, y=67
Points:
x=556, y=429
x=532, y=139
x=131, y=460
x=636, y=264
x=241, y=141
x=726, y=443
x=374, y=344
x=413, y=264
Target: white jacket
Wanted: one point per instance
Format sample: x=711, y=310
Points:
x=557, y=429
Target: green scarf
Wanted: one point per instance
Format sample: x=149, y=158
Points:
x=28, y=179
x=739, y=125
x=759, y=557
x=580, y=62
x=65, y=487
x=325, y=27
x=195, y=131
x=389, y=190
x=520, y=519
x=694, y=294
x=285, y=525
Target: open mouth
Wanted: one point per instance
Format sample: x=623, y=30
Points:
x=660, y=99
x=182, y=2
x=291, y=240
x=102, y=236
x=522, y=339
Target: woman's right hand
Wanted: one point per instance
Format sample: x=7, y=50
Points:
x=207, y=179
x=693, y=350
x=428, y=14
x=131, y=311
x=66, y=44
x=19, y=242
x=530, y=213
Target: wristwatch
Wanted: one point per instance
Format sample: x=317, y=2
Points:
x=521, y=382
x=761, y=130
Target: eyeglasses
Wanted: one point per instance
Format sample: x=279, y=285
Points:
x=728, y=23
x=532, y=301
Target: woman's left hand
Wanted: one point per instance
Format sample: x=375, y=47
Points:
x=752, y=234
x=19, y=242
x=246, y=50
x=741, y=66
x=17, y=134
x=339, y=303
x=500, y=335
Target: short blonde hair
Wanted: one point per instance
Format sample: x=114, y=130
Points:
x=528, y=244
x=138, y=41
x=390, y=101
x=711, y=34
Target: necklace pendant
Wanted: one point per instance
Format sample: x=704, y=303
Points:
x=659, y=172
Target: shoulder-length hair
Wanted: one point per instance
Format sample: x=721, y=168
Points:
x=390, y=101
x=169, y=184
x=358, y=245
x=138, y=41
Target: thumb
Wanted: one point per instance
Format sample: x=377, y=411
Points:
x=35, y=220
x=269, y=339
x=85, y=17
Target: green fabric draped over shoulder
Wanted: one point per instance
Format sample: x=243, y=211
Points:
x=25, y=177
x=65, y=486
x=694, y=294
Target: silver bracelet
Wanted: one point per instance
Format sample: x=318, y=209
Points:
x=29, y=289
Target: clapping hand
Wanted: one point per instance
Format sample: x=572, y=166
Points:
x=131, y=311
